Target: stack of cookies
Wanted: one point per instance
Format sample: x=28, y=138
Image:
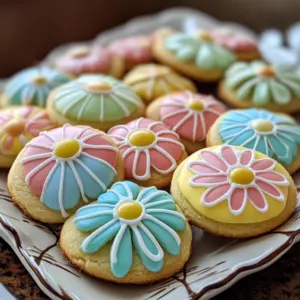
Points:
x=121, y=144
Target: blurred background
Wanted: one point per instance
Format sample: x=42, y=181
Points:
x=29, y=29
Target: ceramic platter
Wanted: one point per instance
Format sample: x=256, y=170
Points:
x=216, y=263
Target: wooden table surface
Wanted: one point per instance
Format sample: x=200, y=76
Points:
x=281, y=281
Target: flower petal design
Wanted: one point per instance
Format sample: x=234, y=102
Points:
x=229, y=155
x=215, y=195
x=238, y=201
x=263, y=164
x=280, y=150
x=209, y=180
x=279, y=92
x=247, y=157
x=202, y=167
x=257, y=199
x=272, y=177
x=270, y=189
x=213, y=159
x=148, y=248
x=121, y=253
x=162, y=161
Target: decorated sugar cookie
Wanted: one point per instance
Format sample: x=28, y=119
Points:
x=95, y=100
x=151, y=151
x=196, y=56
x=134, y=50
x=130, y=235
x=151, y=81
x=242, y=45
x=63, y=169
x=18, y=125
x=276, y=135
x=234, y=191
x=90, y=59
x=32, y=86
x=261, y=85
x=189, y=115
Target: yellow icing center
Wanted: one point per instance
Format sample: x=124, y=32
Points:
x=15, y=127
x=267, y=71
x=39, y=79
x=66, y=148
x=263, y=125
x=141, y=138
x=130, y=210
x=195, y=105
x=80, y=52
x=100, y=86
x=241, y=176
x=203, y=35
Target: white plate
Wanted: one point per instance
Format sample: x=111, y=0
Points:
x=216, y=263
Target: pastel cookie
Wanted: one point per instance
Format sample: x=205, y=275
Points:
x=63, y=169
x=130, y=235
x=151, y=81
x=134, y=50
x=233, y=191
x=196, y=56
x=189, y=115
x=95, y=100
x=18, y=125
x=90, y=60
x=150, y=150
x=32, y=86
x=276, y=135
x=261, y=85
x=242, y=45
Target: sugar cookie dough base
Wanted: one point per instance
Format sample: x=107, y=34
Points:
x=213, y=139
x=105, y=126
x=98, y=264
x=247, y=56
x=229, y=229
x=230, y=98
x=31, y=204
x=6, y=161
x=187, y=68
x=153, y=113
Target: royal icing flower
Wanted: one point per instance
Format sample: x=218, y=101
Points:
x=262, y=83
x=19, y=125
x=190, y=115
x=269, y=133
x=142, y=220
x=32, y=86
x=135, y=49
x=68, y=164
x=237, y=177
x=151, y=81
x=147, y=144
x=200, y=49
x=233, y=40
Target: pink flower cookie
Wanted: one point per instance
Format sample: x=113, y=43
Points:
x=190, y=115
x=134, y=50
x=151, y=151
x=241, y=44
x=94, y=59
x=18, y=125
x=234, y=191
x=63, y=169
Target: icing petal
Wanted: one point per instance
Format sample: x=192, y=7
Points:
x=212, y=159
x=100, y=237
x=208, y=180
x=291, y=131
x=215, y=195
x=235, y=80
x=121, y=253
x=280, y=149
x=202, y=167
x=279, y=92
x=238, y=201
x=261, y=94
x=229, y=155
x=205, y=58
x=270, y=189
x=261, y=145
x=272, y=177
x=162, y=161
x=262, y=164
x=257, y=199
x=242, y=138
x=108, y=197
x=151, y=195
x=245, y=90
x=126, y=188
x=246, y=157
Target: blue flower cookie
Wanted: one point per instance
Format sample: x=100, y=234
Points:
x=130, y=235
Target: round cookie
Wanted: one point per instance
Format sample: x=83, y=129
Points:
x=243, y=46
x=258, y=84
x=63, y=169
x=151, y=151
x=233, y=191
x=134, y=50
x=196, y=56
x=90, y=60
x=131, y=235
x=32, y=86
x=276, y=135
x=18, y=125
x=189, y=115
x=151, y=81
x=95, y=100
